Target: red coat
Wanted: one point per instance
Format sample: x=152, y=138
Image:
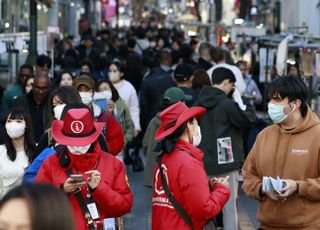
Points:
x=113, y=133
x=188, y=182
x=112, y=196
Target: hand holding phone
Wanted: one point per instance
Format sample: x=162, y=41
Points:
x=76, y=178
x=73, y=183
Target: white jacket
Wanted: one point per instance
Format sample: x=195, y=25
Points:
x=11, y=172
x=129, y=94
x=240, y=84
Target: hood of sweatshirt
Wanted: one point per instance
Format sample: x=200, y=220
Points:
x=309, y=121
x=209, y=96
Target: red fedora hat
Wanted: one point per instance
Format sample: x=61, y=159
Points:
x=77, y=129
x=174, y=116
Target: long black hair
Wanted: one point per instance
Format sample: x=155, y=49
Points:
x=29, y=144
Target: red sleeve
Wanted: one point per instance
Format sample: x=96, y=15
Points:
x=201, y=203
x=114, y=134
x=117, y=198
x=48, y=170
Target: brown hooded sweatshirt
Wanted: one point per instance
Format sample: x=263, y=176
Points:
x=295, y=155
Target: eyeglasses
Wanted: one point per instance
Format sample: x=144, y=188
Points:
x=24, y=75
x=41, y=89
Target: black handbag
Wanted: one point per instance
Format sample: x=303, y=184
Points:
x=210, y=225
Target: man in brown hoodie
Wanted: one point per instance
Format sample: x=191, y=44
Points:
x=289, y=149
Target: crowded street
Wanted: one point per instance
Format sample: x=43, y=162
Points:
x=159, y=115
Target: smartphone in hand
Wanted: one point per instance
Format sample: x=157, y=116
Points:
x=77, y=178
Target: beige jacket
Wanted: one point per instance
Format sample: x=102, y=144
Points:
x=295, y=155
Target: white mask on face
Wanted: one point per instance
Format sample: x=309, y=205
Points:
x=196, y=139
x=86, y=97
x=15, y=129
x=106, y=94
x=114, y=76
x=58, y=111
x=78, y=150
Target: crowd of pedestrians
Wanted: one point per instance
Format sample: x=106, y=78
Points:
x=182, y=102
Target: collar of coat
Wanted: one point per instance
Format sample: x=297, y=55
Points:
x=195, y=152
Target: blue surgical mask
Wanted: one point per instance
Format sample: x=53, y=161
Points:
x=276, y=112
x=103, y=103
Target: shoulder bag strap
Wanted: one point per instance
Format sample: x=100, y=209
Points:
x=173, y=201
x=83, y=205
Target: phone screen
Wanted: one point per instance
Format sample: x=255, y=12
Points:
x=76, y=178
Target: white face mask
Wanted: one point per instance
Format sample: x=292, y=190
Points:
x=106, y=94
x=153, y=44
x=196, y=139
x=58, y=111
x=15, y=129
x=78, y=150
x=114, y=76
x=86, y=97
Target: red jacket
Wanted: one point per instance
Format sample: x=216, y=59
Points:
x=187, y=180
x=113, y=133
x=112, y=196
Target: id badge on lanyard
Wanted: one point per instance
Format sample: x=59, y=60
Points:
x=92, y=207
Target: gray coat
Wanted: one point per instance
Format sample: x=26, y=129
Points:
x=150, y=149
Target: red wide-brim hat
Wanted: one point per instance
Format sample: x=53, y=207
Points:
x=174, y=116
x=77, y=129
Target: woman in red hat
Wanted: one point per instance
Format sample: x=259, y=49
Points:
x=182, y=197
x=96, y=182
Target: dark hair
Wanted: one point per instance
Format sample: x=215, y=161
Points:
x=26, y=66
x=66, y=40
x=193, y=42
x=167, y=144
x=29, y=144
x=131, y=43
x=217, y=54
x=114, y=91
x=220, y=74
x=59, y=78
x=186, y=51
x=241, y=62
x=204, y=46
x=66, y=94
x=291, y=87
x=228, y=57
x=296, y=65
x=49, y=208
x=44, y=60
x=86, y=62
x=200, y=78
x=165, y=55
x=119, y=64
x=176, y=56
